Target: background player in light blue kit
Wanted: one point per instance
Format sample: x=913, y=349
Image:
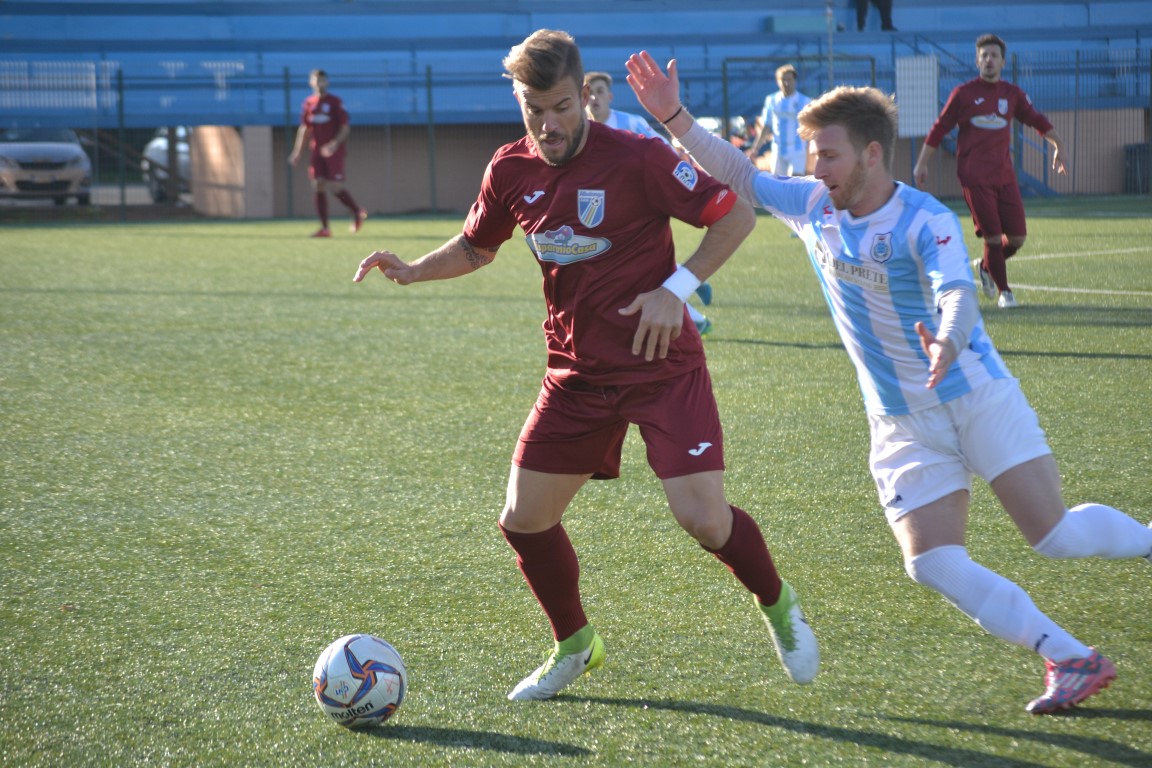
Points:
x=941, y=404
x=778, y=123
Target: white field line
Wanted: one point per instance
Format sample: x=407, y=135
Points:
x=1079, y=290
x=1081, y=254
x=1043, y=256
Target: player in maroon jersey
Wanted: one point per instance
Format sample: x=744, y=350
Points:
x=594, y=205
x=984, y=109
x=324, y=124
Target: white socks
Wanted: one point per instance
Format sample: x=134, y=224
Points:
x=1003, y=608
x=1094, y=530
x=998, y=605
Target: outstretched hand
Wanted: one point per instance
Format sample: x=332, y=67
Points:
x=389, y=264
x=941, y=354
x=657, y=92
x=661, y=318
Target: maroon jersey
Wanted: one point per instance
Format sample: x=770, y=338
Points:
x=984, y=112
x=324, y=115
x=599, y=228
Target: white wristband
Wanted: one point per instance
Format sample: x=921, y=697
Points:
x=682, y=282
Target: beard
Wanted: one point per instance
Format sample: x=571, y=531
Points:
x=852, y=189
x=569, y=152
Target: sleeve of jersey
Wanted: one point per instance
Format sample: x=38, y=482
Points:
x=679, y=189
x=940, y=242
x=721, y=159
x=718, y=207
x=1030, y=116
x=944, y=123
x=489, y=223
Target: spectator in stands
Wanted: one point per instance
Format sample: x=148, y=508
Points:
x=885, y=9
x=600, y=110
x=324, y=124
x=778, y=124
x=984, y=108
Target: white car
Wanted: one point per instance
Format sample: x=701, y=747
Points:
x=44, y=164
x=154, y=166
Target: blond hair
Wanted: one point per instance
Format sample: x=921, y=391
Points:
x=866, y=113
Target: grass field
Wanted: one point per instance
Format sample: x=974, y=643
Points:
x=219, y=454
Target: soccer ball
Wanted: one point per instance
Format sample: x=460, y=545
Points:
x=359, y=681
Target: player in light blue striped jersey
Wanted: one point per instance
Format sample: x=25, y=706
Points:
x=778, y=123
x=941, y=404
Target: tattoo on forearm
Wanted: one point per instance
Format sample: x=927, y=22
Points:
x=476, y=259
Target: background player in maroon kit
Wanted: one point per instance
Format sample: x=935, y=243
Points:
x=984, y=109
x=594, y=204
x=324, y=124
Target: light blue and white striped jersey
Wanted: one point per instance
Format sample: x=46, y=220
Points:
x=780, y=113
x=626, y=121
x=881, y=274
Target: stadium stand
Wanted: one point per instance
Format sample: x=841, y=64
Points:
x=111, y=65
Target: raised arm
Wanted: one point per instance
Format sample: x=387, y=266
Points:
x=455, y=258
x=659, y=93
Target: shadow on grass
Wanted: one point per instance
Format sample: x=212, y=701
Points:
x=833, y=345
x=934, y=752
x=1077, y=315
x=487, y=740
x=1121, y=754
x=1074, y=355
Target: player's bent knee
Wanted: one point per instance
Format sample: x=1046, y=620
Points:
x=941, y=568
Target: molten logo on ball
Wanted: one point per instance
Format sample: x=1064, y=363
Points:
x=359, y=681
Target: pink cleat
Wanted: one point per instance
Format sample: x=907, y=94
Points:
x=322, y=232
x=1071, y=682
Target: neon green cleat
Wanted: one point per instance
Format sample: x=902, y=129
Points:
x=557, y=672
x=795, y=642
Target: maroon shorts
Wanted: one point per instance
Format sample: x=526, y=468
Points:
x=330, y=168
x=996, y=210
x=577, y=429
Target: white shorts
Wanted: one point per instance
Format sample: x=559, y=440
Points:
x=924, y=456
x=790, y=163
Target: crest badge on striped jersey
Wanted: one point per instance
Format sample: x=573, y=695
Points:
x=590, y=207
x=881, y=247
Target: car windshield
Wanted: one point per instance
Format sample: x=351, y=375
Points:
x=38, y=136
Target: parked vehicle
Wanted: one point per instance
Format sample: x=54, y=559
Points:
x=44, y=163
x=154, y=166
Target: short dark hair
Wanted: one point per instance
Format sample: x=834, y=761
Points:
x=544, y=58
x=866, y=113
x=318, y=73
x=991, y=39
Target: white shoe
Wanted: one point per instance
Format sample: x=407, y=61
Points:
x=556, y=673
x=795, y=642
x=1007, y=300
x=986, y=283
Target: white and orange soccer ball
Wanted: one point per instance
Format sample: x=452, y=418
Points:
x=359, y=681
